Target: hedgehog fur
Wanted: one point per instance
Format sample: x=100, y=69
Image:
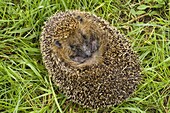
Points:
x=90, y=61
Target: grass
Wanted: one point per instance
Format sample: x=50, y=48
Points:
x=24, y=82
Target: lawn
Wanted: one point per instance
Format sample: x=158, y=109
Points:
x=24, y=82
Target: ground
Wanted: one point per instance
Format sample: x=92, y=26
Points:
x=24, y=82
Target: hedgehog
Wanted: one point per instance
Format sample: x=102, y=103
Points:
x=90, y=61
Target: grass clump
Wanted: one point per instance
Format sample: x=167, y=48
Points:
x=24, y=82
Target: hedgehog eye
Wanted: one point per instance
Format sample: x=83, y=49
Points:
x=58, y=44
x=72, y=46
x=84, y=36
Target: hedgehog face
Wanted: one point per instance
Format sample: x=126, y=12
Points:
x=85, y=49
x=79, y=47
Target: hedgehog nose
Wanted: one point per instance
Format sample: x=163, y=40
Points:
x=88, y=53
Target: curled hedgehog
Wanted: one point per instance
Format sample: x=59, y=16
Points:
x=90, y=61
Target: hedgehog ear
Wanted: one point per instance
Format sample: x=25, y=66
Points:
x=57, y=43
